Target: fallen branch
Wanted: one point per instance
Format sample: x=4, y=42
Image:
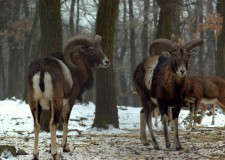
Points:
x=76, y=130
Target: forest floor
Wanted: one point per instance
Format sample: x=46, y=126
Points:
x=203, y=143
x=16, y=129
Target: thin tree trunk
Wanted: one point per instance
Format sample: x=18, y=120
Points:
x=144, y=34
x=200, y=55
x=14, y=57
x=72, y=18
x=210, y=45
x=132, y=37
x=78, y=17
x=2, y=76
x=5, y=11
x=155, y=18
x=133, y=63
x=27, y=49
x=122, y=76
x=220, y=55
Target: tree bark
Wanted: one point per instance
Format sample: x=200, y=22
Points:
x=132, y=37
x=200, y=56
x=122, y=76
x=51, y=39
x=27, y=48
x=209, y=63
x=106, y=112
x=72, y=18
x=144, y=34
x=14, y=57
x=2, y=76
x=78, y=17
x=5, y=9
x=220, y=55
x=168, y=24
x=51, y=26
x=168, y=18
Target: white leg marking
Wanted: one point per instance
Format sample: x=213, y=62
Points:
x=53, y=132
x=177, y=144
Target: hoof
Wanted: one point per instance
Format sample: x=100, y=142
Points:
x=57, y=157
x=66, y=148
x=156, y=148
x=178, y=148
x=145, y=142
x=168, y=145
x=35, y=156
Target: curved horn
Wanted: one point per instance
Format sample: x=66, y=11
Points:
x=70, y=48
x=162, y=45
x=98, y=39
x=193, y=43
x=67, y=54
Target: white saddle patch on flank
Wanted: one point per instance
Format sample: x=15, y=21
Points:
x=149, y=72
x=66, y=73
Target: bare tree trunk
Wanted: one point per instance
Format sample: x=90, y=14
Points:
x=51, y=26
x=120, y=58
x=78, y=17
x=211, y=47
x=51, y=39
x=220, y=55
x=28, y=48
x=155, y=17
x=72, y=18
x=5, y=9
x=144, y=34
x=14, y=57
x=2, y=76
x=168, y=18
x=106, y=112
x=200, y=56
x=133, y=100
x=132, y=37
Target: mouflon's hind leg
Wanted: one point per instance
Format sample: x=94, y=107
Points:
x=65, y=118
x=143, y=137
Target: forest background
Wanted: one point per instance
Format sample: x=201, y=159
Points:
x=138, y=23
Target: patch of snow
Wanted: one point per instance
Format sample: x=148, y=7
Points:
x=17, y=123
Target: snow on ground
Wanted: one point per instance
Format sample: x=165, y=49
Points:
x=16, y=128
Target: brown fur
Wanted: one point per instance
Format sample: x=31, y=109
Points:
x=55, y=85
x=167, y=87
x=205, y=87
